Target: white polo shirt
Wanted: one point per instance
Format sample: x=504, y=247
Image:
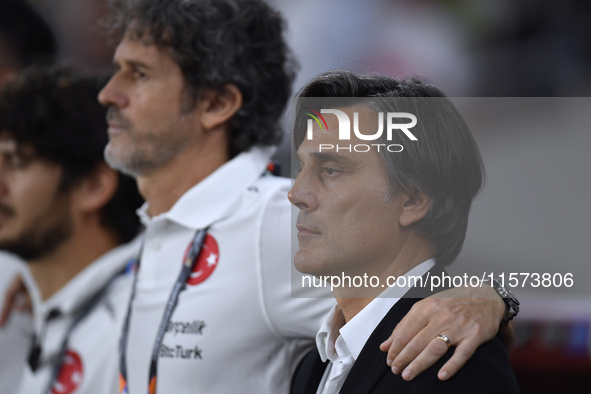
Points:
x=90, y=365
x=13, y=340
x=236, y=328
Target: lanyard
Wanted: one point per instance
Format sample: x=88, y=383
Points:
x=179, y=286
x=80, y=316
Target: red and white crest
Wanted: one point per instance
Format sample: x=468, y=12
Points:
x=71, y=374
x=206, y=262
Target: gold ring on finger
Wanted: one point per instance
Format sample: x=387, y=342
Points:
x=445, y=339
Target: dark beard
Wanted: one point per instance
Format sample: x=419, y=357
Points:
x=38, y=242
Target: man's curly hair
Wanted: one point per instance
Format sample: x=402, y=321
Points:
x=55, y=111
x=220, y=42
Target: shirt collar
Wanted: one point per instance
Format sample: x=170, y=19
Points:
x=328, y=333
x=212, y=199
x=357, y=331
x=85, y=284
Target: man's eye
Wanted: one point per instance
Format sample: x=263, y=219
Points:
x=15, y=162
x=137, y=74
x=329, y=171
x=19, y=162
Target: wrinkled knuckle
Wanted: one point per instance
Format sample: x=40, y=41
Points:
x=463, y=326
x=397, y=344
x=478, y=330
x=401, y=340
x=414, y=348
x=416, y=308
x=479, y=327
x=399, y=363
x=392, y=354
x=427, y=311
x=434, y=303
x=465, y=351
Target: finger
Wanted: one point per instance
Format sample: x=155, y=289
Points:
x=433, y=352
x=404, y=332
x=462, y=353
x=410, y=325
x=413, y=349
x=9, y=299
x=385, y=346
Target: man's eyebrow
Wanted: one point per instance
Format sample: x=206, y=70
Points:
x=331, y=156
x=132, y=63
x=324, y=157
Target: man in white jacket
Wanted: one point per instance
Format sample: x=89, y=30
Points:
x=72, y=219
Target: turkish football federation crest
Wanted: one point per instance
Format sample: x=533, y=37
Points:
x=206, y=262
x=70, y=375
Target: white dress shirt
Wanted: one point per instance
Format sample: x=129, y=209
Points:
x=342, y=343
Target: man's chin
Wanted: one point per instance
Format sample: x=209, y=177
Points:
x=120, y=162
x=23, y=251
x=6, y=238
x=308, y=263
x=131, y=160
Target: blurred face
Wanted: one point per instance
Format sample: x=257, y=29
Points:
x=147, y=124
x=347, y=222
x=34, y=213
x=9, y=62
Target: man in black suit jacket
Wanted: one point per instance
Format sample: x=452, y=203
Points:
x=389, y=207
x=487, y=371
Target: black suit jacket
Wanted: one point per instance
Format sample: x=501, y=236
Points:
x=488, y=371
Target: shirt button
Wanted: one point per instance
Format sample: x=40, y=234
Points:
x=155, y=246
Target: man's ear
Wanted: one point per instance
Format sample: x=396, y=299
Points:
x=218, y=106
x=95, y=190
x=415, y=206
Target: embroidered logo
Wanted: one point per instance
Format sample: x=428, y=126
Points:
x=71, y=374
x=206, y=262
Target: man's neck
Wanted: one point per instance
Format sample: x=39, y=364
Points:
x=163, y=187
x=352, y=306
x=87, y=243
x=352, y=300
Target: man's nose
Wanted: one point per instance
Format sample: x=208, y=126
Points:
x=112, y=94
x=3, y=186
x=301, y=194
